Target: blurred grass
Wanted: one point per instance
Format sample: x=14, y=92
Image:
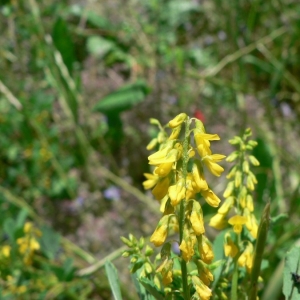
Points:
x=235, y=62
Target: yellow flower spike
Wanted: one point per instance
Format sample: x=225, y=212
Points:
x=160, y=234
x=211, y=198
x=177, y=192
x=211, y=163
x=161, y=188
x=198, y=176
x=175, y=133
x=218, y=221
x=163, y=169
x=205, y=249
x=196, y=218
x=179, y=119
x=237, y=222
x=151, y=181
x=230, y=248
x=152, y=144
x=229, y=189
x=246, y=258
x=187, y=246
x=226, y=206
x=203, y=291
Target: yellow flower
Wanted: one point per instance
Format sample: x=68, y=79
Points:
x=246, y=259
x=179, y=119
x=151, y=181
x=211, y=163
x=198, y=177
x=6, y=250
x=160, y=234
x=230, y=248
x=163, y=169
x=204, y=273
x=161, y=189
x=229, y=189
x=237, y=222
x=196, y=218
x=177, y=192
x=187, y=246
x=166, y=270
x=205, y=249
x=226, y=206
x=175, y=133
x=171, y=157
x=218, y=221
x=202, y=142
x=203, y=291
x=251, y=223
x=211, y=198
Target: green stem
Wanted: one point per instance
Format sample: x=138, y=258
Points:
x=186, y=291
x=235, y=277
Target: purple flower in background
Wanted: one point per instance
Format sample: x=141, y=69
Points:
x=112, y=193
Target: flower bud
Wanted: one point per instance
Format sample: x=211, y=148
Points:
x=179, y=119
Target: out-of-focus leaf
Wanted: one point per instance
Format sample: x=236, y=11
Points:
x=113, y=279
x=99, y=46
x=63, y=42
x=123, y=99
x=49, y=242
x=291, y=289
x=151, y=288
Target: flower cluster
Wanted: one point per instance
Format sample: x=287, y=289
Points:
x=177, y=179
x=28, y=244
x=238, y=195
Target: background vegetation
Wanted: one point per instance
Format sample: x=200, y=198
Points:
x=78, y=84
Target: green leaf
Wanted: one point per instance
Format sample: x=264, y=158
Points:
x=21, y=218
x=151, y=288
x=63, y=42
x=291, y=289
x=113, y=279
x=219, y=255
x=99, y=46
x=9, y=228
x=50, y=242
x=123, y=99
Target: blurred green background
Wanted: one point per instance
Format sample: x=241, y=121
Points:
x=78, y=84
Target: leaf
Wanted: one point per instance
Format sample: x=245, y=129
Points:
x=291, y=289
x=219, y=255
x=113, y=279
x=151, y=288
x=50, y=242
x=9, y=228
x=63, y=42
x=123, y=99
x=99, y=46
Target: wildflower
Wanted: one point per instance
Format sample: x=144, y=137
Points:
x=196, y=218
x=161, y=188
x=5, y=251
x=211, y=198
x=203, y=144
x=198, y=176
x=177, y=192
x=230, y=248
x=204, y=273
x=166, y=270
x=237, y=222
x=187, y=245
x=163, y=169
x=179, y=119
x=211, y=163
x=246, y=258
x=151, y=181
x=203, y=291
x=218, y=221
x=160, y=234
x=205, y=249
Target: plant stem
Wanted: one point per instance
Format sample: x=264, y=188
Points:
x=186, y=291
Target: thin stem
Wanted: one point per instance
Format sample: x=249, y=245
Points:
x=186, y=291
